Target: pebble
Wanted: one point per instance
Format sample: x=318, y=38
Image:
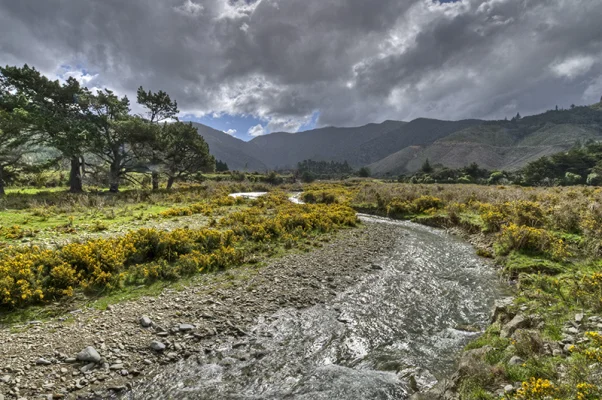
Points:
x=145, y=321
x=185, y=327
x=42, y=361
x=157, y=346
x=89, y=354
x=516, y=360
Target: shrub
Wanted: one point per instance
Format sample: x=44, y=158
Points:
x=529, y=239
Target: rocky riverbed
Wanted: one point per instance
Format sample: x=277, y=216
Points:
x=99, y=353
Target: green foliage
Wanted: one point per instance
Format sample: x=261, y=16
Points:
x=310, y=170
x=363, y=172
x=221, y=166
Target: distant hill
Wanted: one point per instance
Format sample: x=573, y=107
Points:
x=507, y=145
x=396, y=147
x=235, y=152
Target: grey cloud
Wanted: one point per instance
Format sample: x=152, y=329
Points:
x=355, y=61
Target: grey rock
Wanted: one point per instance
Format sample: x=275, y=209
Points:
x=519, y=321
x=5, y=379
x=124, y=372
x=43, y=361
x=579, y=317
x=145, y=321
x=116, y=366
x=516, y=360
x=71, y=360
x=157, y=346
x=185, y=327
x=89, y=354
x=572, y=330
x=508, y=389
x=87, y=368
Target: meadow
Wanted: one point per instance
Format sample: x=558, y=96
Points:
x=547, y=243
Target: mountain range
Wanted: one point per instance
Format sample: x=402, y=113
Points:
x=397, y=147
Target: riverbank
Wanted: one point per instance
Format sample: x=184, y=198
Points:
x=40, y=358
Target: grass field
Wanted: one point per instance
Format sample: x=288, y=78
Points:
x=546, y=241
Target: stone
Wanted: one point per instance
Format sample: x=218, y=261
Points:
x=185, y=327
x=579, y=317
x=5, y=379
x=508, y=389
x=145, y=321
x=87, y=368
x=116, y=367
x=519, y=321
x=42, y=361
x=89, y=354
x=516, y=360
x=157, y=346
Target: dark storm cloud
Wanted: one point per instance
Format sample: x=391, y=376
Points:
x=355, y=61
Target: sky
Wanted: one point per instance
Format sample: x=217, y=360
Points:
x=252, y=67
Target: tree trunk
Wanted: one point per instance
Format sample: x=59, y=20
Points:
x=170, y=182
x=75, y=176
x=2, y=193
x=155, y=180
x=114, y=177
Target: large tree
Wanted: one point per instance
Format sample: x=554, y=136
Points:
x=14, y=136
x=184, y=153
x=115, y=135
x=159, y=108
x=56, y=114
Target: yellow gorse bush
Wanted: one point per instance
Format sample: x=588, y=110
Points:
x=31, y=274
x=526, y=238
x=535, y=389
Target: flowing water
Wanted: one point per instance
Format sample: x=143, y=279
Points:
x=399, y=328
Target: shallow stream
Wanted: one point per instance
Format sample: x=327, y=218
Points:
x=398, y=328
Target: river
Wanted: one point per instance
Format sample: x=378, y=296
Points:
x=399, y=328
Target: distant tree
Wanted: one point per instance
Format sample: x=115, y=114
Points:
x=159, y=108
x=594, y=179
x=308, y=176
x=364, y=172
x=572, y=106
x=426, y=167
x=325, y=169
x=556, y=108
x=221, y=166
